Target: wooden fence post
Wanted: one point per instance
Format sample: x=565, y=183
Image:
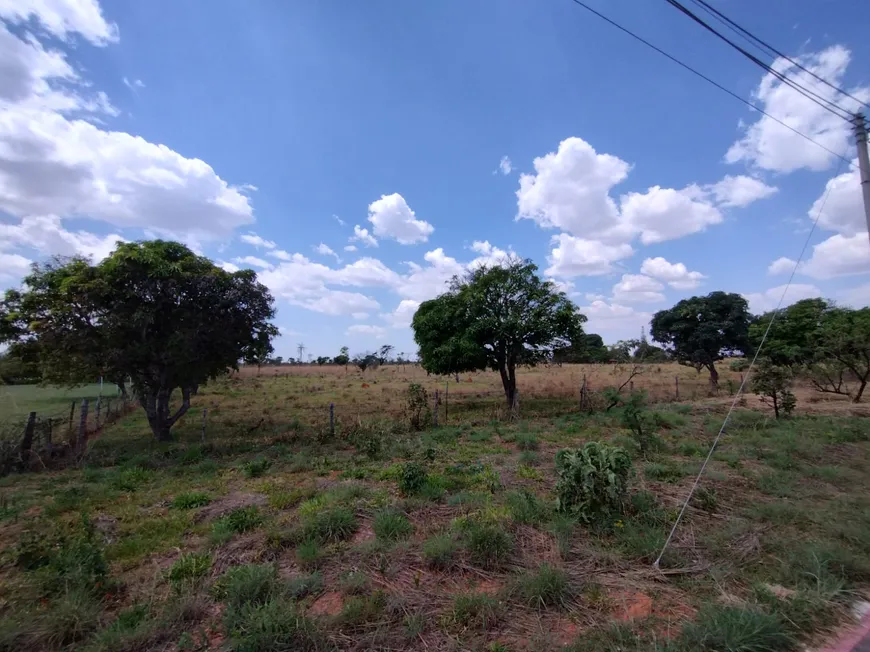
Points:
x=446, y=400
x=435, y=411
x=630, y=385
x=72, y=415
x=83, y=427
x=332, y=419
x=583, y=393
x=204, y=415
x=97, y=412
x=48, y=444
x=27, y=440
x=677, y=387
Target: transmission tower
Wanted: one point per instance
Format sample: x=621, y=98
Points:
x=300, y=349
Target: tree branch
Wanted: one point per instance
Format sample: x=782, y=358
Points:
x=185, y=406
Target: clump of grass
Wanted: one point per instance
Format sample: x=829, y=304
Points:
x=562, y=526
x=308, y=554
x=391, y=525
x=639, y=540
x=256, y=468
x=440, y=551
x=529, y=473
x=287, y=499
x=238, y=521
x=189, y=569
x=475, y=611
x=526, y=507
x=489, y=545
x=190, y=500
x=334, y=523
x=72, y=618
x=527, y=442
x=302, y=586
x=469, y=498
x=721, y=627
x=247, y=584
x=529, y=458
x=274, y=625
x=547, y=587
x=664, y=471
x=131, y=479
x=355, y=582
x=359, y=610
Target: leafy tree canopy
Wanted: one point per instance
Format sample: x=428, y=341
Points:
x=153, y=312
x=701, y=330
x=495, y=318
x=588, y=347
x=794, y=337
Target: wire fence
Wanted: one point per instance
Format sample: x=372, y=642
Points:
x=36, y=441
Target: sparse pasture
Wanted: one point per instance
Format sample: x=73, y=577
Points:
x=266, y=531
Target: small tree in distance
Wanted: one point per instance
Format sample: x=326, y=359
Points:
x=702, y=330
x=495, y=318
x=343, y=358
x=773, y=384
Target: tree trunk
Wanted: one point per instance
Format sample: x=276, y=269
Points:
x=509, y=382
x=857, y=398
x=775, y=405
x=156, y=405
x=714, y=377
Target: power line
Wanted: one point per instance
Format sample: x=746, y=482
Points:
x=751, y=365
x=772, y=51
x=823, y=102
x=706, y=78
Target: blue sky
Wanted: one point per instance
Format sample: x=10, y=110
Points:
x=266, y=134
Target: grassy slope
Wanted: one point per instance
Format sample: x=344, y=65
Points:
x=273, y=535
x=17, y=400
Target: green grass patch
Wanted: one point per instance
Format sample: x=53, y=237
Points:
x=391, y=525
x=190, y=500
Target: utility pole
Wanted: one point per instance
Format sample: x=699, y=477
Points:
x=863, y=162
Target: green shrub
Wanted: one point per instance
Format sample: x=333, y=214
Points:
x=440, y=551
x=413, y=478
x=667, y=471
x=131, y=479
x=640, y=423
x=71, y=619
x=488, y=544
x=592, y=480
x=545, y=588
x=190, y=500
x=417, y=407
x=256, y=468
x=271, y=627
x=304, y=585
x=189, y=569
x=247, y=584
x=529, y=458
x=720, y=627
x=330, y=524
x=640, y=540
x=476, y=611
x=526, y=507
x=391, y=525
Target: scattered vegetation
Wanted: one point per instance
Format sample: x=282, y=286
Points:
x=592, y=481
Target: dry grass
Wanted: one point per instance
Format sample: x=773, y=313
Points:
x=786, y=504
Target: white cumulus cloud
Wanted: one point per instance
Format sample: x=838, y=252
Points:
x=252, y=238
x=661, y=214
x=614, y=321
x=363, y=236
x=253, y=261
x=740, y=191
x=366, y=329
x=391, y=217
x=760, y=302
x=843, y=210
x=770, y=146
x=63, y=18
x=325, y=250
x=675, y=275
x=580, y=257
x=638, y=288
x=47, y=235
x=781, y=265
x=505, y=166
x=839, y=255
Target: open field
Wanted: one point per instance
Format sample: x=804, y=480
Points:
x=16, y=401
x=274, y=535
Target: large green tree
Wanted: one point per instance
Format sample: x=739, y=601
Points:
x=588, y=347
x=152, y=312
x=828, y=344
x=496, y=318
x=702, y=330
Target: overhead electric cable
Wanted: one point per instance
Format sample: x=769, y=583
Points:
x=823, y=102
x=772, y=51
x=706, y=78
x=746, y=376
